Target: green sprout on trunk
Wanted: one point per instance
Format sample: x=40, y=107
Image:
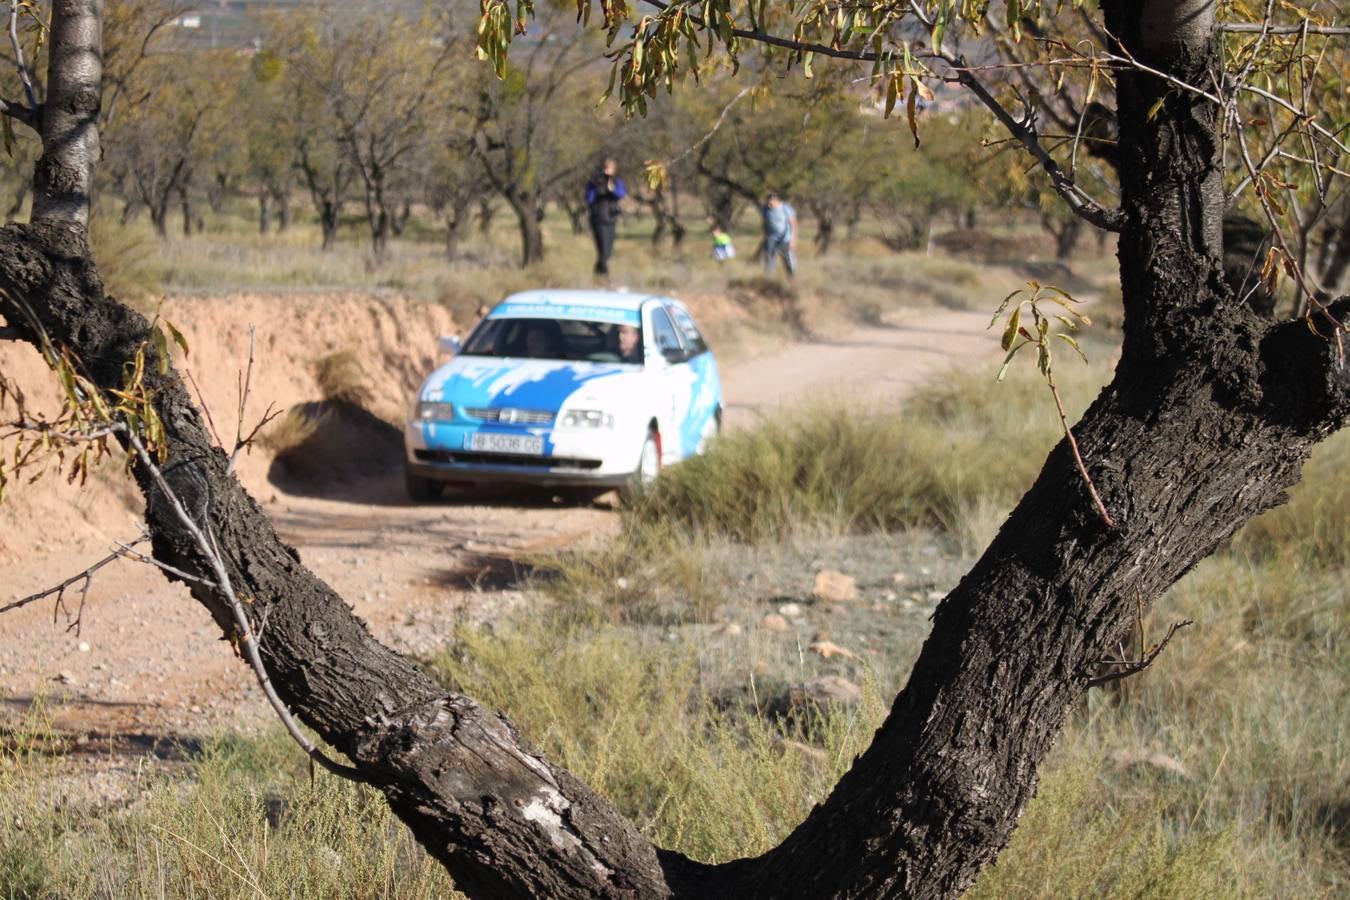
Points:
x=1027, y=324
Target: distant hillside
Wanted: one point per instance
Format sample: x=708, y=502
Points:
x=232, y=23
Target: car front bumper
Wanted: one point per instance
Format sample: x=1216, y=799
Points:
x=441, y=451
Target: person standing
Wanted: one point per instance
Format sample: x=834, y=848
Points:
x=603, y=193
x=723, y=248
x=780, y=234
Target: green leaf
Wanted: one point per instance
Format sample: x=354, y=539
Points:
x=911, y=108
x=806, y=64
x=1010, y=333
x=177, y=337
x=1007, y=361
x=161, y=350
x=1002, y=306
x=1074, y=344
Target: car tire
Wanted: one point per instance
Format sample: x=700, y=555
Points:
x=712, y=434
x=648, y=468
x=421, y=490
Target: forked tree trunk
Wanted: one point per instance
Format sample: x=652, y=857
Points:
x=328, y=224
x=264, y=211
x=1207, y=422
x=528, y=218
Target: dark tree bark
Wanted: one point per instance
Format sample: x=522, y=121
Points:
x=528, y=217
x=576, y=214
x=1207, y=422
x=328, y=223
x=1066, y=233
x=264, y=211
x=185, y=205
x=283, y=200
x=486, y=211
x=17, y=201
x=824, y=227
x=456, y=221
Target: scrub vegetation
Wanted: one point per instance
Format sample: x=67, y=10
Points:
x=1221, y=771
x=693, y=669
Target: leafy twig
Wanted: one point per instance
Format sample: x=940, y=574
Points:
x=1016, y=336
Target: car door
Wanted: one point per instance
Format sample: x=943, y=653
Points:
x=668, y=359
x=703, y=419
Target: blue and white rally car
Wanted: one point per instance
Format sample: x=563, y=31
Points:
x=566, y=388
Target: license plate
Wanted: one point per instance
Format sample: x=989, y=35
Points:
x=523, y=444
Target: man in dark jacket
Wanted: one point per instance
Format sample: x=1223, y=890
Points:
x=603, y=193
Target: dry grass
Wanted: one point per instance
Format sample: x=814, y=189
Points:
x=1245, y=710
x=289, y=431
x=858, y=281
x=956, y=454
x=341, y=377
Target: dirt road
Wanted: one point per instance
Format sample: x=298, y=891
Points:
x=147, y=662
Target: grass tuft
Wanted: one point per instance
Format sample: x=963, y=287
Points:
x=341, y=377
x=954, y=453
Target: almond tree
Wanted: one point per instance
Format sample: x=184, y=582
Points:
x=531, y=129
x=1207, y=422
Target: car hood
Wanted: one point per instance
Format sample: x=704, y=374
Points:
x=539, y=384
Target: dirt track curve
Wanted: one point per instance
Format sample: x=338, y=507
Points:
x=148, y=663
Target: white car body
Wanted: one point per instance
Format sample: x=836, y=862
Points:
x=567, y=421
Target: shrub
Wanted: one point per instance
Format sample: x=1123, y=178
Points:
x=958, y=447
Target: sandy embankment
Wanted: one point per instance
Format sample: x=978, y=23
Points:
x=394, y=337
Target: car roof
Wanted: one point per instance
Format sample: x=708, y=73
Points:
x=605, y=306
x=577, y=297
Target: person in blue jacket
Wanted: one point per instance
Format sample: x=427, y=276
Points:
x=780, y=234
x=603, y=193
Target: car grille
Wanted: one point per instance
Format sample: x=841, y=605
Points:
x=510, y=416
x=505, y=459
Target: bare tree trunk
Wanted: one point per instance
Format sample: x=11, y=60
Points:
x=528, y=217
x=159, y=218
x=283, y=199
x=456, y=220
x=185, y=204
x=63, y=180
x=264, y=211
x=1207, y=422
x=328, y=222
x=485, y=213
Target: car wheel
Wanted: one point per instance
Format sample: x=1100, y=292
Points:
x=421, y=490
x=648, y=467
x=649, y=461
x=712, y=432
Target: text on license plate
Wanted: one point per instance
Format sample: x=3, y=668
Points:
x=525, y=444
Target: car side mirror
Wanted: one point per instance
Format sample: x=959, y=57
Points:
x=673, y=354
x=449, y=343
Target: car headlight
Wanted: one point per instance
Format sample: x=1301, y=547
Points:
x=587, y=418
x=432, y=411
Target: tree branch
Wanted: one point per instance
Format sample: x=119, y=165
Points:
x=24, y=76
x=1258, y=27
x=86, y=576
x=1128, y=668
x=1077, y=199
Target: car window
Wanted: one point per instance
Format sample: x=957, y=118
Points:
x=667, y=338
x=540, y=338
x=692, y=338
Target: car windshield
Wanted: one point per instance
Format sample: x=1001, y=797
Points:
x=568, y=339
